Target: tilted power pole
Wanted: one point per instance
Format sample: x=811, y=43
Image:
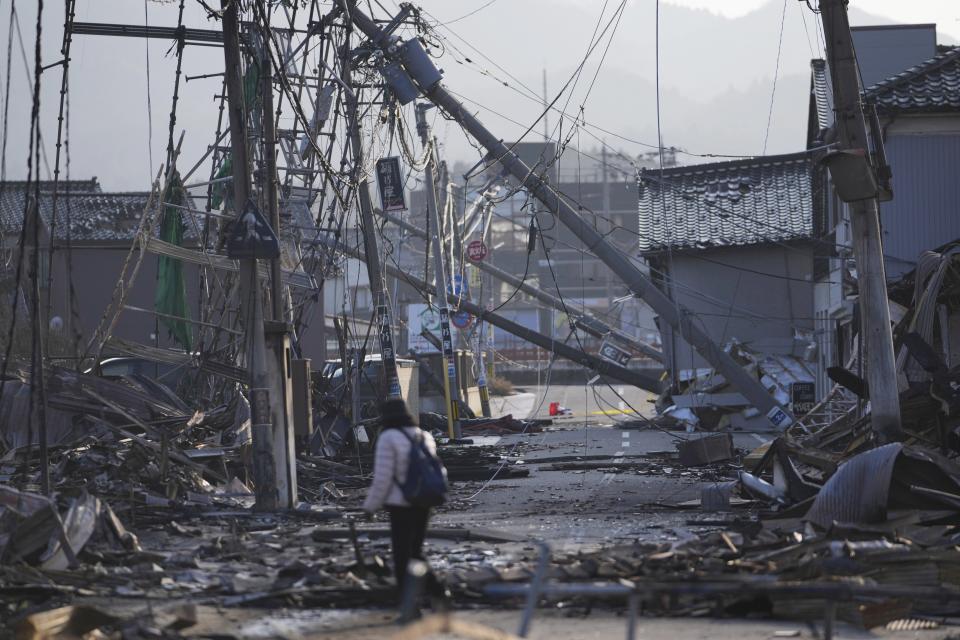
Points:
x=421, y=75
x=446, y=335
x=370, y=244
x=875, y=331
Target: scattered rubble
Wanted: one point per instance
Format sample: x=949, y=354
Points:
x=151, y=502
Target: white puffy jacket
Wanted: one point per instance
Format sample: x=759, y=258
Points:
x=390, y=466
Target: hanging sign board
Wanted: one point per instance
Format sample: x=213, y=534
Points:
x=390, y=183
x=387, y=353
x=476, y=250
x=613, y=353
x=251, y=236
x=446, y=338
x=803, y=395
x=446, y=342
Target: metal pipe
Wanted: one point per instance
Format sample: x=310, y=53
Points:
x=536, y=587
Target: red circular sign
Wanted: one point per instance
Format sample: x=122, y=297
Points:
x=476, y=250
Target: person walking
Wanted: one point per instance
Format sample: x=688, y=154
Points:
x=408, y=479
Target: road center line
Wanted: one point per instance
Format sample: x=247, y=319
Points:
x=617, y=459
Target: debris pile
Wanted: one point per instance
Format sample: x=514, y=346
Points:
x=484, y=426
x=705, y=400
x=879, y=536
x=151, y=502
x=130, y=441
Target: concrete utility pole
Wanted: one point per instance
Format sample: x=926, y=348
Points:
x=446, y=335
x=424, y=74
x=370, y=244
x=251, y=304
x=467, y=226
x=875, y=330
x=270, y=170
x=586, y=321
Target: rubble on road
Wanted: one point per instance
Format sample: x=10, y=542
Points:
x=484, y=426
x=704, y=400
x=152, y=503
x=710, y=448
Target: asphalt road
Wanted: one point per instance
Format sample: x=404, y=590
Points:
x=583, y=508
x=600, y=403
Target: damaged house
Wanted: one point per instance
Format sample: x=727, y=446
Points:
x=914, y=86
x=731, y=242
x=102, y=226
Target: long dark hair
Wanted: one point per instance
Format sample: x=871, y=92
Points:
x=395, y=415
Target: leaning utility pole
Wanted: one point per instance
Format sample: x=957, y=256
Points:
x=420, y=74
x=370, y=244
x=251, y=304
x=446, y=335
x=852, y=173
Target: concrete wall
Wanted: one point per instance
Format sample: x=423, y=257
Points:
x=744, y=293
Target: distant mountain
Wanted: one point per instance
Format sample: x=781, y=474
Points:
x=716, y=78
x=716, y=73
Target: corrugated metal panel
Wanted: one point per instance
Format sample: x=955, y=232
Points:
x=924, y=212
x=859, y=491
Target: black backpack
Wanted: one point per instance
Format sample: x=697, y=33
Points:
x=426, y=483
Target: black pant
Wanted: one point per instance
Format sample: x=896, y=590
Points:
x=408, y=526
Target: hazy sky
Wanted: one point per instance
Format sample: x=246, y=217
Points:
x=717, y=76
x=946, y=13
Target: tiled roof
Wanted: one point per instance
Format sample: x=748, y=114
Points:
x=931, y=86
x=742, y=202
x=823, y=103
x=93, y=214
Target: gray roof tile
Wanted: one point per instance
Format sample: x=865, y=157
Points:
x=93, y=214
x=821, y=94
x=741, y=202
x=929, y=87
